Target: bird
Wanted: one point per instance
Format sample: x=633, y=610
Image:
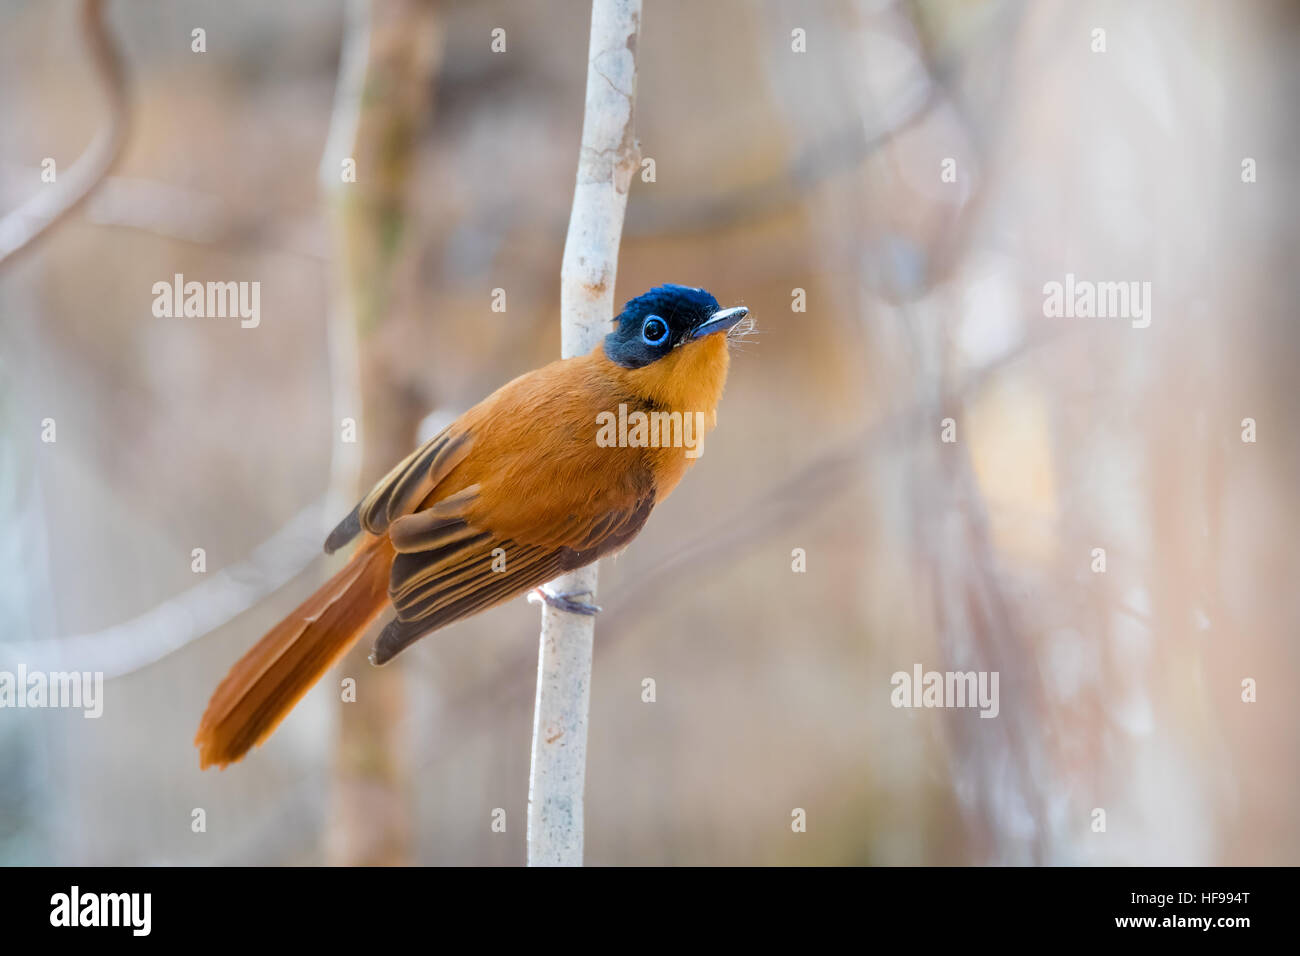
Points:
x=532, y=482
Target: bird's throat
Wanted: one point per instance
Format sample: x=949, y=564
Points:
x=689, y=379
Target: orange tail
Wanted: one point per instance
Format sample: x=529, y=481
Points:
x=263, y=686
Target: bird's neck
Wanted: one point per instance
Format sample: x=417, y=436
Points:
x=689, y=379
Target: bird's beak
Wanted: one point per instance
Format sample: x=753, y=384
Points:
x=720, y=321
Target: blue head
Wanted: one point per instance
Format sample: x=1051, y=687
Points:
x=667, y=317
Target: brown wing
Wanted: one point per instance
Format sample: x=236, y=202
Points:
x=447, y=568
x=403, y=488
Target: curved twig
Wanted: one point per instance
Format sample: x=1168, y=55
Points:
x=46, y=207
x=183, y=618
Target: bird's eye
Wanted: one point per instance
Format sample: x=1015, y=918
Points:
x=654, y=331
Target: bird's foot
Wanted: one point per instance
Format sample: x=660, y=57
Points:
x=564, y=601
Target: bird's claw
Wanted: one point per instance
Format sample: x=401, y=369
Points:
x=564, y=601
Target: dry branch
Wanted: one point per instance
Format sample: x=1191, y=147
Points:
x=46, y=207
x=607, y=161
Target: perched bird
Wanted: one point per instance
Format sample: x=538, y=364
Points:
x=520, y=489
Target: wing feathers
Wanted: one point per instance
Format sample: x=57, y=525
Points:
x=347, y=529
x=441, y=608
x=403, y=489
x=466, y=571
x=444, y=453
x=446, y=566
x=422, y=570
x=414, y=480
x=436, y=526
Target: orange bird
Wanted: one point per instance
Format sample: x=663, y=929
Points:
x=550, y=472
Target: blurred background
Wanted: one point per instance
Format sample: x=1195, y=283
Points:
x=888, y=186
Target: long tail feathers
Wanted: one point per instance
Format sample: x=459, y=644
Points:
x=264, y=685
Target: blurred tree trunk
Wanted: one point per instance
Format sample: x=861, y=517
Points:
x=390, y=55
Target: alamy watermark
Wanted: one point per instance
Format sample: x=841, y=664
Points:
x=1084, y=299
x=82, y=690
x=946, y=689
x=132, y=911
x=210, y=300
x=640, y=429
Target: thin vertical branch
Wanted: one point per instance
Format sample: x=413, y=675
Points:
x=607, y=161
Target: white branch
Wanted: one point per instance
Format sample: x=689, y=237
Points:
x=608, y=159
x=183, y=618
x=21, y=227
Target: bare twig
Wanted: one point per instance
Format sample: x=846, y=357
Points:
x=605, y=166
x=162, y=630
x=35, y=217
